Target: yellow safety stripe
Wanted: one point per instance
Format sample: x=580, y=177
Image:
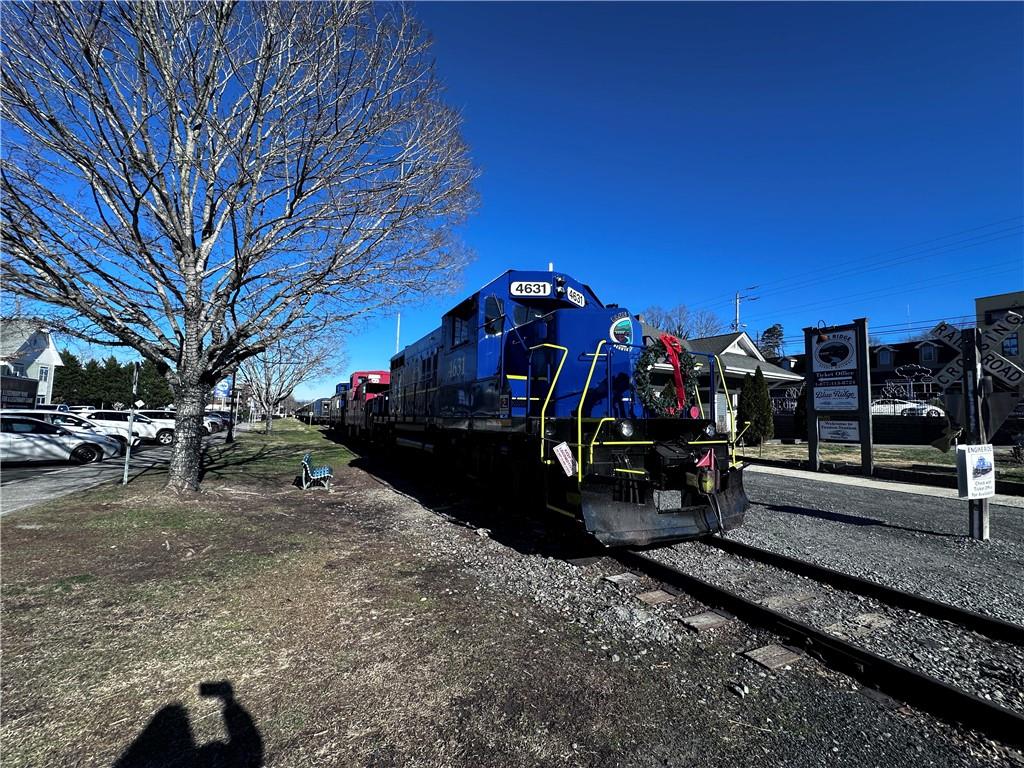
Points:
x=561, y=511
x=515, y=377
x=596, y=433
x=632, y=471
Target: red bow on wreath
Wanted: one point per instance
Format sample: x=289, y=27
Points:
x=674, y=348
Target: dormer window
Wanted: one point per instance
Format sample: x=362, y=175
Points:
x=928, y=353
x=885, y=358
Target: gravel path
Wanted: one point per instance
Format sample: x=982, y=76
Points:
x=802, y=715
x=987, y=668
x=914, y=543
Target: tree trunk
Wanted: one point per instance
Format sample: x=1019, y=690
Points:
x=186, y=450
x=270, y=420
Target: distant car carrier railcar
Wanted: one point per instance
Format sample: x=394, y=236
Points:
x=532, y=382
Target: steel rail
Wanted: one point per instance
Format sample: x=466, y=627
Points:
x=996, y=629
x=897, y=680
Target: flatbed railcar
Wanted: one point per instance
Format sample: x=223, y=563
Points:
x=532, y=383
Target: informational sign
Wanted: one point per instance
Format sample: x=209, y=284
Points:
x=839, y=431
x=975, y=471
x=564, y=455
x=223, y=389
x=18, y=392
x=839, y=390
x=834, y=370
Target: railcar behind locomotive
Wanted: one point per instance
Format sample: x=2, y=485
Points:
x=533, y=382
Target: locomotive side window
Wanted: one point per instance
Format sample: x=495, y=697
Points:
x=460, y=331
x=522, y=314
x=494, y=313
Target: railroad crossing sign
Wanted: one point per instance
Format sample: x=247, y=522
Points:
x=991, y=361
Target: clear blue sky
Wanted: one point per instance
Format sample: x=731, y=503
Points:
x=671, y=154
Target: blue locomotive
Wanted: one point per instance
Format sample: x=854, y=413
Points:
x=531, y=383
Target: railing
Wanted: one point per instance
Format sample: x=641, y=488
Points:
x=551, y=388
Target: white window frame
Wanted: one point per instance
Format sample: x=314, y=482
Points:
x=44, y=373
x=884, y=358
x=929, y=353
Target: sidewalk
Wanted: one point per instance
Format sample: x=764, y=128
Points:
x=881, y=485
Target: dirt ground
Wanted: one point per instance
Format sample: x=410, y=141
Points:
x=357, y=628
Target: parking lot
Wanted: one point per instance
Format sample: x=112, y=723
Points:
x=22, y=485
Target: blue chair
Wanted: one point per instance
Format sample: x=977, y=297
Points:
x=313, y=476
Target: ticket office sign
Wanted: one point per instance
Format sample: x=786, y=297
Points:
x=834, y=362
x=975, y=471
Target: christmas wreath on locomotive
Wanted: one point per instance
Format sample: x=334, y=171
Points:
x=533, y=382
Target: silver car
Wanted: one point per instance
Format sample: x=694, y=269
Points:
x=77, y=423
x=26, y=439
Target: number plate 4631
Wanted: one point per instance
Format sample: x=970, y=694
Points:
x=531, y=289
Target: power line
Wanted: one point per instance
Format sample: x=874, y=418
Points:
x=937, y=250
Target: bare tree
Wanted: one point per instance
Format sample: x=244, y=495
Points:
x=271, y=376
x=200, y=180
x=684, y=323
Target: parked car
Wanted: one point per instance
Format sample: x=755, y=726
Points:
x=77, y=423
x=23, y=438
x=167, y=418
x=146, y=427
x=224, y=416
x=82, y=408
x=52, y=407
x=894, y=407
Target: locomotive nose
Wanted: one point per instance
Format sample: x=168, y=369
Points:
x=631, y=513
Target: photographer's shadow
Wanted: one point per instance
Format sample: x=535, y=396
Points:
x=167, y=740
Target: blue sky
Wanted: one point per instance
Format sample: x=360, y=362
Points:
x=849, y=159
x=671, y=154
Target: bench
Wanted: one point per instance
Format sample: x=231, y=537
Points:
x=313, y=476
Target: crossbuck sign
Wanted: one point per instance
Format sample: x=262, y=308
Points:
x=991, y=361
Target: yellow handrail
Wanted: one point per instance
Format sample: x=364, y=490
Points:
x=732, y=415
x=579, y=413
x=596, y=433
x=551, y=389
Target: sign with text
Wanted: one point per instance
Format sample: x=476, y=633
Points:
x=834, y=369
x=564, y=455
x=992, y=362
x=975, y=471
x=839, y=431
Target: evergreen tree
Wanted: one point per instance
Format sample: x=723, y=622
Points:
x=153, y=387
x=92, y=385
x=116, y=382
x=755, y=406
x=771, y=344
x=69, y=379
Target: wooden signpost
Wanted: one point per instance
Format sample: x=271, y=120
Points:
x=839, y=390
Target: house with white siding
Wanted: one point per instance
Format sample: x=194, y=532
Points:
x=27, y=351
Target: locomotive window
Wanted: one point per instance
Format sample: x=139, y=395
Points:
x=523, y=314
x=460, y=331
x=494, y=313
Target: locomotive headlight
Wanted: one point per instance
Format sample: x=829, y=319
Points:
x=709, y=430
x=626, y=428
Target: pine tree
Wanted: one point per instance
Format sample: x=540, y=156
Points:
x=755, y=406
x=764, y=422
x=92, y=385
x=153, y=387
x=68, y=379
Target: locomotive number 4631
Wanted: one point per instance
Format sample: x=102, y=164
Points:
x=531, y=289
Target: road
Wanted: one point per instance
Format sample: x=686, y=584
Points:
x=23, y=485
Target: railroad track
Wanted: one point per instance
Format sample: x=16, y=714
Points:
x=897, y=680
x=996, y=629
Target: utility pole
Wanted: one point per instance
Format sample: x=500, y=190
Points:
x=398, y=334
x=739, y=296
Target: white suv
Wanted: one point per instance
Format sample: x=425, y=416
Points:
x=210, y=424
x=77, y=423
x=146, y=428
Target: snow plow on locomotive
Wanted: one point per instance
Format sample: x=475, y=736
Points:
x=532, y=382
